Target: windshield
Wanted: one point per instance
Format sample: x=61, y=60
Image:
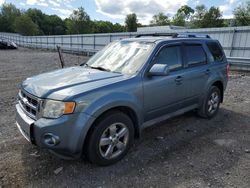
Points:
x=124, y=57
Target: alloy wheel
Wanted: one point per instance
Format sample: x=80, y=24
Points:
x=213, y=102
x=114, y=140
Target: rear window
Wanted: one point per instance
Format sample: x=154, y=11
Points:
x=216, y=51
x=195, y=55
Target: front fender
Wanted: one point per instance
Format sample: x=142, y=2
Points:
x=107, y=102
x=113, y=100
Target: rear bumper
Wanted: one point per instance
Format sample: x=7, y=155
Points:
x=69, y=130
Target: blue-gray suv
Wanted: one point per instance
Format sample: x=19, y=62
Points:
x=100, y=107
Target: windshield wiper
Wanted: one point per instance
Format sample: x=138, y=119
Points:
x=99, y=68
x=84, y=63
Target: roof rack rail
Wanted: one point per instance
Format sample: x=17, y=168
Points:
x=157, y=35
x=192, y=35
x=174, y=35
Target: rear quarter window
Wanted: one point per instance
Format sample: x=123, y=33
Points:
x=216, y=51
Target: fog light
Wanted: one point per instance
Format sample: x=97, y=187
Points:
x=50, y=139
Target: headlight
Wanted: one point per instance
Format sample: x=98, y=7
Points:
x=55, y=109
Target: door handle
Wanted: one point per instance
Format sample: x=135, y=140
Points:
x=178, y=79
x=207, y=71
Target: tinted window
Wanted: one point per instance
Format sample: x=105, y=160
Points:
x=215, y=51
x=195, y=55
x=170, y=56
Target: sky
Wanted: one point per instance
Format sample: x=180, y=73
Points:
x=116, y=10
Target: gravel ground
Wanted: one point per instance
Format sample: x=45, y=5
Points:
x=185, y=151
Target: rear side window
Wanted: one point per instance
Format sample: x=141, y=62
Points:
x=171, y=56
x=195, y=55
x=216, y=51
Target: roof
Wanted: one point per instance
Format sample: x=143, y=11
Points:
x=154, y=37
x=148, y=39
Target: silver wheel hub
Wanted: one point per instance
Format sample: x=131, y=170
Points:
x=114, y=140
x=213, y=102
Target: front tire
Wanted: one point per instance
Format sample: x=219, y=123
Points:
x=110, y=138
x=211, y=103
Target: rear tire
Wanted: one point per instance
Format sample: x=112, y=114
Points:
x=110, y=138
x=211, y=103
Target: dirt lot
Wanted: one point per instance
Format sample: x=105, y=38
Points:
x=182, y=152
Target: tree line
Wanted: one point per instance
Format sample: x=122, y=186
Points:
x=200, y=17
x=35, y=22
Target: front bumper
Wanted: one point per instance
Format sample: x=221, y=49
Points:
x=69, y=130
x=23, y=123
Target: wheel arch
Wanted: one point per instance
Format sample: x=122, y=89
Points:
x=126, y=110
x=219, y=84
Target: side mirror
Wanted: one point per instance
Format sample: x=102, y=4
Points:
x=159, y=70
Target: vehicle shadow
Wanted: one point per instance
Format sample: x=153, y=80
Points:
x=169, y=151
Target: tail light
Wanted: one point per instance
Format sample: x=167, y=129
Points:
x=228, y=71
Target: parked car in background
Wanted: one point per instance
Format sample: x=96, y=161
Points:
x=5, y=44
x=99, y=108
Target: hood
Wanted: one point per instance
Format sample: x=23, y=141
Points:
x=68, y=82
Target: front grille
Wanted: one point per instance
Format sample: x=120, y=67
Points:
x=29, y=103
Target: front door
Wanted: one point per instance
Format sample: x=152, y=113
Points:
x=163, y=94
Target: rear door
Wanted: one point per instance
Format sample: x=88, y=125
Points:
x=197, y=71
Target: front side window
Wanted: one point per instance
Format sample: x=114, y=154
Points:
x=195, y=55
x=125, y=57
x=171, y=56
